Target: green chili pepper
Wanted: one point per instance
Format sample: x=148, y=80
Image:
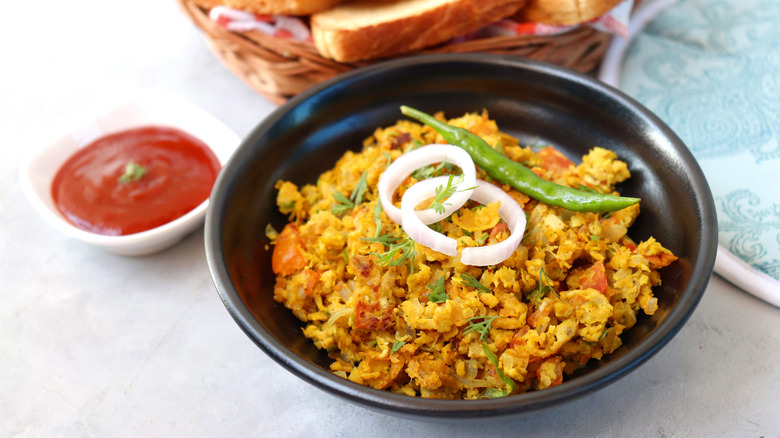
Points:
x=503, y=169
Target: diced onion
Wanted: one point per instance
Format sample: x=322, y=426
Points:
x=407, y=163
x=335, y=316
x=511, y=212
x=414, y=226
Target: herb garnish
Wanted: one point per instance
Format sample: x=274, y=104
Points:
x=397, y=346
x=443, y=193
x=378, y=217
x=342, y=204
x=360, y=189
x=603, y=335
x=133, y=172
x=396, y=246
x=495, y=392
x=355, y=198
x=437, y=293
x=389, y=158
x=384, y=239
x=531, y=234
x=543, y=288
x=345, y=254
x=431, y=171
x=482, y=327
x=469, y=280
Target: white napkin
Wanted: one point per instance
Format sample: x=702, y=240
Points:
x=711, y=70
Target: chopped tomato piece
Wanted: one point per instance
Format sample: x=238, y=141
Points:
x=288, y=256
x=553, y=160
x=498, y=228
x=517, y=339
x=595, y=278
x=628, y=243
x=311, y=278
x=538, y=316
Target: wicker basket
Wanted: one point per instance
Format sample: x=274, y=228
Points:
x=281, y=68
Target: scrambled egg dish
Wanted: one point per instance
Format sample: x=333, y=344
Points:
x=395, y=315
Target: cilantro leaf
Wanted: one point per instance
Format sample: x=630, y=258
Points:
x=355, y=198
x=470, y=281
x=360, y=189
x=342, y=204
x=133, y=172
x=482, y=327
x=437, y=293
x=443, y=193
x=404, y=248
x=385, y=239
x=432, y=171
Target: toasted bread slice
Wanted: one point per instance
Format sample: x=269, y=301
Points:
x=272, y=7
x=565, y=12
x=369, y=29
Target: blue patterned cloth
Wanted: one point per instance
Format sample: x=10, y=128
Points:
x=711, y=70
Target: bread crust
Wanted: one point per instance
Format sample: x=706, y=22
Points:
x=208, y=4
x=564, y=12
x=272, y=7
x=369, y=29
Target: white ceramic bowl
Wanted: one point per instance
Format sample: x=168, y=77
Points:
x=139, y=108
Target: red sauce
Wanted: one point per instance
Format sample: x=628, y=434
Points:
x=179, y=171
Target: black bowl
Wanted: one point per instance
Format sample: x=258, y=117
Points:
x=530, y=100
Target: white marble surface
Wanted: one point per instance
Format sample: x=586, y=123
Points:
x=93, y=344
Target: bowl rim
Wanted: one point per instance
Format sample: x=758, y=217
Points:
x=437, y=410
x=142, y=242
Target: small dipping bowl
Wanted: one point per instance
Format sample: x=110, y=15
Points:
x=137, y=109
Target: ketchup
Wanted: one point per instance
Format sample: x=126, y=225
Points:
x=135, y=180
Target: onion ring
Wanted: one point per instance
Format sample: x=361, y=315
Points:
x=485, y=193
x=407, y=163
x=511, y=212
x=414, y=226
